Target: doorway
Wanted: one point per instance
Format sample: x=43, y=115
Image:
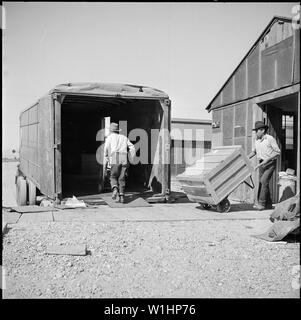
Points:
x=82, y=119
x=282, y=119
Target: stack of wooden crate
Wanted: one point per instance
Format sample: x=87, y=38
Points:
x=212, y=178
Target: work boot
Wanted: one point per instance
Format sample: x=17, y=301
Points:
x=121, y=198
x=115, y=193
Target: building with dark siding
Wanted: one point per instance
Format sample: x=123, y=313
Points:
x=264, y=86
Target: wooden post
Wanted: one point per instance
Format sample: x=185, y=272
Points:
x=259, y=71
x=298, y=148
x=100, y=151
x=165, y=146
x=258, y=114
x=46, y=147
x=57, y=145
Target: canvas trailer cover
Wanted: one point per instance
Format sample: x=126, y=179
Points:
x=41, y=127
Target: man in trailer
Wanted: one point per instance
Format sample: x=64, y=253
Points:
x=267, y=151
x=116, y=155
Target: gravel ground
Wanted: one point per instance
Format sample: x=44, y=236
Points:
x=201, y=259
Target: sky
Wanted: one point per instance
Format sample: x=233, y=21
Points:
x=186, y=49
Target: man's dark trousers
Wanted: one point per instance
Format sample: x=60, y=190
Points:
x=118, y=170
x=265, y=175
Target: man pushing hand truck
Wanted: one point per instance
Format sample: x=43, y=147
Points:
x=267, y=151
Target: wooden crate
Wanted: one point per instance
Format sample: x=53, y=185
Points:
x=213, y=177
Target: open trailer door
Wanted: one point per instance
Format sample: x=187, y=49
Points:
x=46, y=146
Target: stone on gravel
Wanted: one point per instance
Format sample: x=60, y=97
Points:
x=79, y=250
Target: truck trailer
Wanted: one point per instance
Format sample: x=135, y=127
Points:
x=62, y=140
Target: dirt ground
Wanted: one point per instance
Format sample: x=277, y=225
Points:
x=141, y=259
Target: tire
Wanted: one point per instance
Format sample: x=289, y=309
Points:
x=32, y=193
x=223, y=206
x=205, y=206
x=21, y=191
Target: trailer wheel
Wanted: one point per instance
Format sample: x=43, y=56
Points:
x=205, y=206
x=224, y=206
x=21, y=191
x=32, y=193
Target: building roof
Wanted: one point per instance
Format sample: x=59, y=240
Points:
x=185, y=120
x=265, y=31
x=109, y=90
x=187, y=129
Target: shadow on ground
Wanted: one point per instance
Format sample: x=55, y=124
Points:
x=234, y=207
x=293, y=237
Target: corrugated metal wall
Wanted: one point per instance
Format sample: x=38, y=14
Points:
x=29, y=129
x=272, y=64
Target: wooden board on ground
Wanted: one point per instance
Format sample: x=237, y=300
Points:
x=129, y=202
x=75, y=250
x=10, y=217
x=93, y=199
x=36, y=217
x=26, y=209
x=64, y=207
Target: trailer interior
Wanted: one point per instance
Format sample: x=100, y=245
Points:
x=81, y=119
